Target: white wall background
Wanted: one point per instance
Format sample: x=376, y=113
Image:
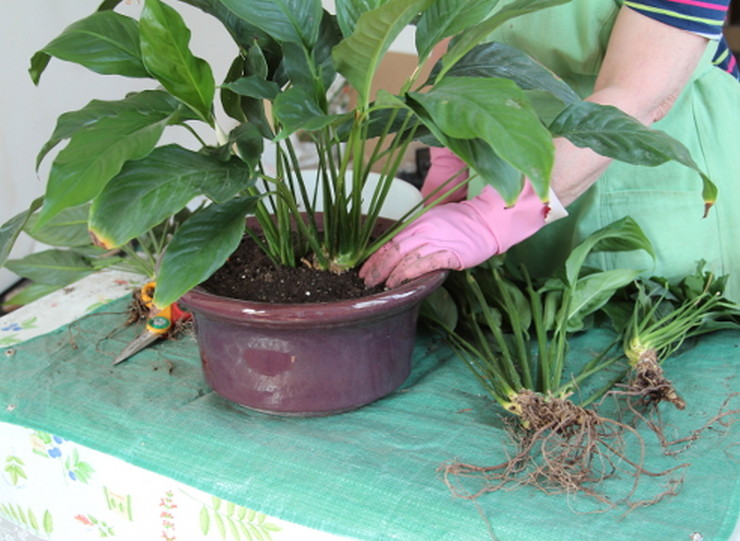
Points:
x=28, y=113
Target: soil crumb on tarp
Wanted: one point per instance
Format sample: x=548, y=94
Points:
x=249, y=275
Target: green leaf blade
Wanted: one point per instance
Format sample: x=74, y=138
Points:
x=148, y=191
x=498, y=112
x=358, y=57
x=51, y=267
x=500, y=60
x=448, y=17
x=166, y=54
x=295, y=21
x=105, y=42
x=93, y=157
x=201, y=246
x=10, y=230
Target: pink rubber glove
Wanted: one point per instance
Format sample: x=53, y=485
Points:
x=443, y=165
x=458, y=236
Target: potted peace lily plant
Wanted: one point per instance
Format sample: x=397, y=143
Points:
x=133, y=192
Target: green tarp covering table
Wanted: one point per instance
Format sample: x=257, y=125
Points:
x=368, y=474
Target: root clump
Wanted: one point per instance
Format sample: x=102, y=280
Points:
x=650, y=384
x=561, y=448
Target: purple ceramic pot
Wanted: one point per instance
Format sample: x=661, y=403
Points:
x=308, y=359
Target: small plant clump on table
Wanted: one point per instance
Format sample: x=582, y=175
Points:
x=514, y=338
x=658, y=319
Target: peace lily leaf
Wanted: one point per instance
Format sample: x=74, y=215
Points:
x=250, y=143
x=297, y=109
x=96, y=154
x=105, y=42
x=612, y=133
x=148, y=191
x=496, y=111
x=295, y=21
x=254, y=87
x=51, y=267
x=300, y=68
x=349, y=11
x=244, y=32
x=29, y=293
x=165, y=50
x=499, y=60
x=440, y=308
x=506, y=180
x=200, y=246
x=594, y=291
x=68, y=228
x=479, y=33
x=358, y=56
x=70, y=123
x=621, y=236
x=448, y=17
x=10, y=230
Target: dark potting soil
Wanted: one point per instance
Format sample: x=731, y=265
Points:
x=250, y=275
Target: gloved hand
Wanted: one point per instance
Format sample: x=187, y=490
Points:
x=459, y=235
x=443, y=165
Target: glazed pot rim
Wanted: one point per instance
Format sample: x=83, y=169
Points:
x=382, y=304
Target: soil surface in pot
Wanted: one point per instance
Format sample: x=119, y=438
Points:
x=250, y=275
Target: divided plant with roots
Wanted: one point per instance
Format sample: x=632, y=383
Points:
x=656, y=317
x=514, y=335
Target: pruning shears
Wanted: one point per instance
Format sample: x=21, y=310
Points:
x=157, y=326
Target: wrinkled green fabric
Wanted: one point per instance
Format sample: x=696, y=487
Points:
x=371, y=473
x=666, y=201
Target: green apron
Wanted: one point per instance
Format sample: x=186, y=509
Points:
x=666, y=200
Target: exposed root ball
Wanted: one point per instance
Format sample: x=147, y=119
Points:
x=563, y=448
x=137, y=310
x=650, y=384
x=557, y=414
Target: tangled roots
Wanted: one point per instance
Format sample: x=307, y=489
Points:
x=650, y=385
x=561, y=448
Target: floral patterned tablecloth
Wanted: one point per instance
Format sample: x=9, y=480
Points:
x=55, y=489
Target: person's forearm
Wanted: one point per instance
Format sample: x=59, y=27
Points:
x=646, y=67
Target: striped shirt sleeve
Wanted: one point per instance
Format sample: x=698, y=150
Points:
x=703, y=17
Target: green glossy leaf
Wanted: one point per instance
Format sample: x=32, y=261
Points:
x=70, y=123
x=480, y=32
x=250, y=144
x=505, y=179
x=300, y=68
x=358, y=56
x=349, y=11
x=499, y=60
x=96, y=154
x=242, y=30
x=29, y=293
x=294, y=21
x=448, y=17
x=593, y=292
x=105, y=42
x=51, y=267
x=166, y=54
x=200, y=246
x=496, y=111
x=610, y=132
x=254, y=86
x=621, y=236
x=149, y=191
x=10, y=230
x=440, y=309
x=296, y=109
x=68, y=228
